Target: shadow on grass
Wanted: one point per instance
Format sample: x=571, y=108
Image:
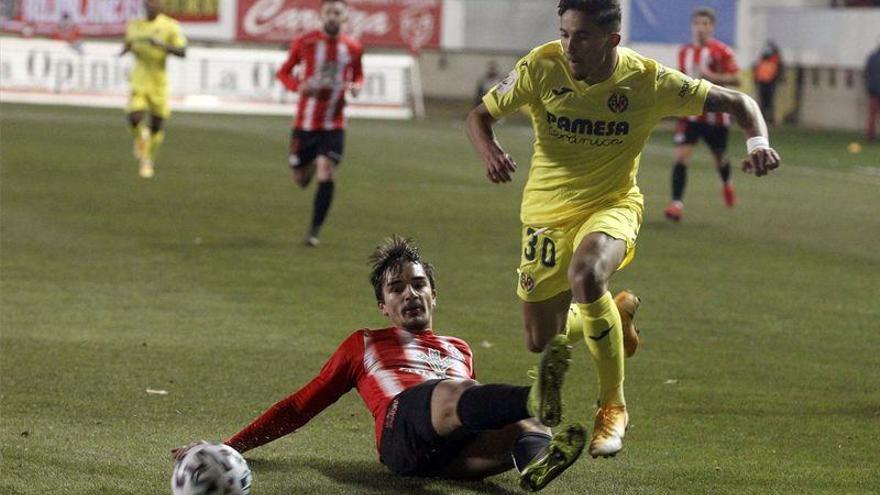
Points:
x=364, y=477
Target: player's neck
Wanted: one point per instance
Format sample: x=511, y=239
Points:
x=153, y=17
x=698, y=42
x=604, y=71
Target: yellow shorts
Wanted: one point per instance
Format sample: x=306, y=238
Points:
x=543, y=269
x=154, y=102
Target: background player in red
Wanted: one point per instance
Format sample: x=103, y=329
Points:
x=704, y=58
x=322, y=66
x=431, y=417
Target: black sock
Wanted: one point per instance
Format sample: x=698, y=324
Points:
x=323, y=198
x=724, y=172
x=527, y=447
x=679, y=180
x=491, y=407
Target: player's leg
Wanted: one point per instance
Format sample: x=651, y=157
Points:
x=605, y=243
x=135, y=113
x=330, y=149
x=159, y=110
x=301, y=156
x=685, y=137
x=716, y=137
x=466, y=404
x=543, y=284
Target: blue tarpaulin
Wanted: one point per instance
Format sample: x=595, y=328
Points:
x=668, y=21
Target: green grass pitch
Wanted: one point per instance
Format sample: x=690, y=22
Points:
x=760, y=365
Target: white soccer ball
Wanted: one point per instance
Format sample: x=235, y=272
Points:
x=211, y=469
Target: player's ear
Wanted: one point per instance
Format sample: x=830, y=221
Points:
x=381, y=306
x=613, y=40
x=433, y=298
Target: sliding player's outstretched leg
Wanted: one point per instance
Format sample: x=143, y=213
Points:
x=563, y=450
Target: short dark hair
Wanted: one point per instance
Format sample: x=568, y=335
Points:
x=606, y=13
x=707, y=12
x=389, y=258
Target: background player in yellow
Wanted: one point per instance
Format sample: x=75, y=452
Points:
x=150, y=40
x=593, y=106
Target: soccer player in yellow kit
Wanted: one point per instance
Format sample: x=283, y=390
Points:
x=593, y=106
x=150, y=40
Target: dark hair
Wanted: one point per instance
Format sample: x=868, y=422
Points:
x=707, y=12
x=389, y=258
x=606, y=13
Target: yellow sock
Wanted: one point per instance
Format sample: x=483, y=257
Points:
x=574, y=324
x=603, y=334
x=153, y=145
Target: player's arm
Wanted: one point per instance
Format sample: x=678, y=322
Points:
x=176, y=47
x=357, y=74
x=499, y=164
x=335, y=379
x=285, y=72
x=762, y=158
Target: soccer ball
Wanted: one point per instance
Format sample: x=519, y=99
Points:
x=211, y=469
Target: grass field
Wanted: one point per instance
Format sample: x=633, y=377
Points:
x=759, y=373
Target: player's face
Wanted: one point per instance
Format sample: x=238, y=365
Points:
x=702, y=28
x=409, y=298
x=587, y=46
x=152, y=8
x=333, y=14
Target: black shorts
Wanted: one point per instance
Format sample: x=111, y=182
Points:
x=714, y=135
x=410, y=446
x=305, y=146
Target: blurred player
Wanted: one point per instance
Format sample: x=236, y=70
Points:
x=431, y=417
x=150, y=40
x=713, y=61
x=593, y=107
x=328, y=63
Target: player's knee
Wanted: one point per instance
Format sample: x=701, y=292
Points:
x=447, y=395
x=588, y=275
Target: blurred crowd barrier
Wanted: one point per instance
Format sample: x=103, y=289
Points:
x=454, y=41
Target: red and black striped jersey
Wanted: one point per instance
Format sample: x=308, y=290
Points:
x=714, y=56
x=379, y=363
x=332, y=64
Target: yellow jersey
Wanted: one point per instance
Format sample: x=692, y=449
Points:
x=149, y=72
x=589, y=137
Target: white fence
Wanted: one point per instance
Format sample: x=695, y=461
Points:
x=226, y=80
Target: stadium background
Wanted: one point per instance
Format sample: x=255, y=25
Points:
x=139, y=315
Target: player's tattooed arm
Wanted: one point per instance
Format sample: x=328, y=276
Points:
x=500, y=166
x=762, y=158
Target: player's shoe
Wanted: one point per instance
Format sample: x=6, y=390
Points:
x=141, y=141
x=627, y=304
x=146, y=170
x=312, y=241
x=729, y=195
x=545, y=397
x=565, y=448
x=608, y=431
x=674, y=211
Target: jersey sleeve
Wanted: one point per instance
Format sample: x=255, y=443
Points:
x=336, y=378
x=285, y=72
x=514, y=91
x=357, y=69
x=679, y=95
x=728, y=61
x=176, y=37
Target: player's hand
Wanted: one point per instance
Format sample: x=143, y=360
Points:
x=178, y=453
x=500, y=166
x=354, y=90
x=157, y=43
x=761, y=161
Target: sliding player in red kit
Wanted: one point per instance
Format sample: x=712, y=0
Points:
x=704, y=58
x=327, y=65
x=432, y=419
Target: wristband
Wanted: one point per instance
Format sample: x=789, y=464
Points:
x=757, y=142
